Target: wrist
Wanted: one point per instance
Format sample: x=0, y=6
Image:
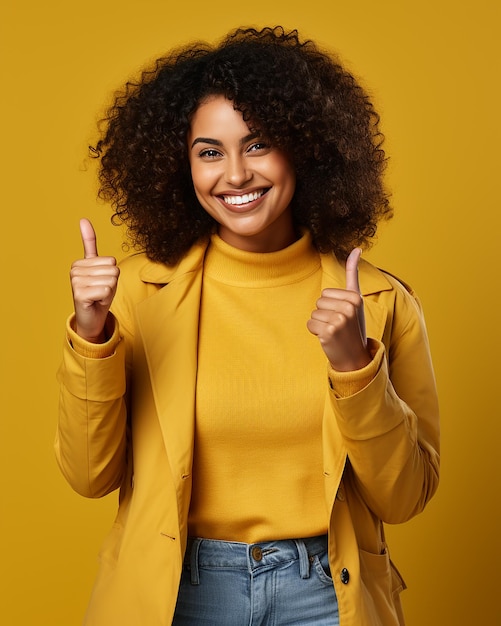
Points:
x=91, y=349
x=98, y=339
x=348, y=383
x=352, y=364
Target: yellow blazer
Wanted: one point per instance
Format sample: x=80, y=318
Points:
x=128, y=421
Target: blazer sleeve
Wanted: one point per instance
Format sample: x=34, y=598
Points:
x=391, y=427
x=91, y=436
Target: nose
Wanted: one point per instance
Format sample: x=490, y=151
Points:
x=237, y=172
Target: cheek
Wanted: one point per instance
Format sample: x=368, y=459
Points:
x=199, y=179
x=288, y=182
x=203, y=185
x=284, y=173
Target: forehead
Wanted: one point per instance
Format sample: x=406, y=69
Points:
x=217, y=116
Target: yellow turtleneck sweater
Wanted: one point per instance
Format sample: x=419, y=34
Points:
x=260, y=396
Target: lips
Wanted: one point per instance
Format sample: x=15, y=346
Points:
x=243, y=199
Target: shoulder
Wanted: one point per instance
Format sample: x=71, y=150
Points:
x=398, y=283
x=138, y=268
x=407, y=316
x=403, y=307
x=130, y=283
x=135, y=265
x=381, y=280
x=405, y=296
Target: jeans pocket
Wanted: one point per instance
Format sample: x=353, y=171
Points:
x=322, y=567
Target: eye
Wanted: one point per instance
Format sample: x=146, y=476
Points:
x=209, y=153
x=258, y=146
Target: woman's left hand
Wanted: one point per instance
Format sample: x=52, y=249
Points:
x=339, y=322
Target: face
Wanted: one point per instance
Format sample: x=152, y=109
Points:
x=245, y=184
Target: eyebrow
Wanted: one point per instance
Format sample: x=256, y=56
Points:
x=216, y=142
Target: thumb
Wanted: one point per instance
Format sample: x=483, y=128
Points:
x=352, y=270
x=88, y=238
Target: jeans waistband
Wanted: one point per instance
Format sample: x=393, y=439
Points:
x=244, y=556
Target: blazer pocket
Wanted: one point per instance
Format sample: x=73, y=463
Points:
x=381, y=577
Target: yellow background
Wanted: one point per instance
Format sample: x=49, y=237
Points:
x=433, y=70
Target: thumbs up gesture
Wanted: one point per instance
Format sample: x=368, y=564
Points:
x=94, y=282
x=339, y=323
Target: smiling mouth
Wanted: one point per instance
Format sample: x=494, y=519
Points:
x=245, y=198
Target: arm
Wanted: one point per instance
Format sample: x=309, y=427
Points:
x=383, y=396
x=391, y=426
x=91, y=434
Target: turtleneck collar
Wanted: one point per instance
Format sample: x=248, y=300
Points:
x=233, y=266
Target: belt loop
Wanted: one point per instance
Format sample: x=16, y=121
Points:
x=194, y=573
x=304, y=561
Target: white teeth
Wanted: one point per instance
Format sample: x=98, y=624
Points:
x=246, y=198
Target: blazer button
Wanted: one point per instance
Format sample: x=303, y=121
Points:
x=345, y=576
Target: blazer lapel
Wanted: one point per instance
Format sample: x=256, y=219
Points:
x=168, y=323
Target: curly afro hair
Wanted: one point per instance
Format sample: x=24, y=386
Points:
x=302, y=101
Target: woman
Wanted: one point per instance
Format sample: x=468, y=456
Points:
x=262, y=397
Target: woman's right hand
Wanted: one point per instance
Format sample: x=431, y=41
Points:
x=94, y=283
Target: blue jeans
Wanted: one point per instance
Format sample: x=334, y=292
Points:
x=273, y=583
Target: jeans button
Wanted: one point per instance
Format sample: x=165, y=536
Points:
x=257, y=553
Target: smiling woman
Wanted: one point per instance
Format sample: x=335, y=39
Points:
x=263, y=398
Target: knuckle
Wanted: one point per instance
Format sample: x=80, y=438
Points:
x=331, y=329
x=351, y=309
